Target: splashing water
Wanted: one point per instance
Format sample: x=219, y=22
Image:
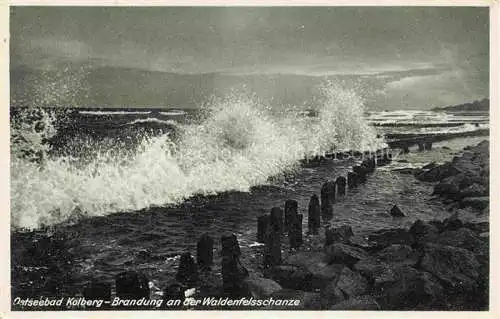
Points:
x=238, y=144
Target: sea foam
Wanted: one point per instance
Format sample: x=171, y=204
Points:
x=238, y=143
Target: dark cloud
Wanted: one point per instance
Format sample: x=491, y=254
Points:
x=386, y=43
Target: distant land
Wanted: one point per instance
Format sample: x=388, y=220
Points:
x=479, y=105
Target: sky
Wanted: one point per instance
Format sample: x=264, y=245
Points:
x=417, y=55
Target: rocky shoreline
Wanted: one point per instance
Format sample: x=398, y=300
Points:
x=432, y=265
x=435, y=265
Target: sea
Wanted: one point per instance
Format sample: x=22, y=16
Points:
x=96, y=191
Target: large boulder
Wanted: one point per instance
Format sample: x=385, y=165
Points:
x=347, y=285
x=464, y=238
x=316, y=264
x=259, y=287
x=396, y=212
x=344, y=254
x=474, y=190
x=404, y=287
x=338, y=234
x=476, y=202
x=423, y=232
x=438, y=173
x=291, y=277
x=385, y=237
x=457, y=268
x=398, y=254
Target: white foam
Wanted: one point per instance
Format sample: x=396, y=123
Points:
x=113, y=112
x=237, y=146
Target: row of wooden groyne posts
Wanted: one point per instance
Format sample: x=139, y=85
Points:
x=270, y=231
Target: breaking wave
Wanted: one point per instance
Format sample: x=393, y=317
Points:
x=238, y=143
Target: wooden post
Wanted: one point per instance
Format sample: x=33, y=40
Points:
x=205, y=252
x=187, y=273
x=132, y=285
x=277, y=218
x=327, y=199
x=272, y=253
x=313, y=219
x=352, y=180
x=291, y=208
x=295, y=233
x=98, y=290
x=262, y=226
x=233, y=272
x=340, y=184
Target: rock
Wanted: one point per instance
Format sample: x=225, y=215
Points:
x=386, y=237
x=357, y=303
x=396, y=212
x=132, y=285
x=423, y=232
x=348, y=284
x=291, y=276
x=340, y=183
x=316, y=264
x=446, y=189
x=455, y=267
x=402, y=161
x=344, y=254
x=339, y=234
x=351, y=283
x=404, y=287
x=463, y=238
x=476, y=202
x=398, y=254
x=474, y=190
x=438, y=173
x=451, y=223
x=259, y=287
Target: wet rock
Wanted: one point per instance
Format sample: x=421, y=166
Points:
x=338, y=235
x=423, y=232
x=132, y=285
x=396, y=212
x=438, y=173
x=357, y=303
x=398, y=254
x=404, y=287
x=344, y=254
x=464, y=238
x=259, y=287
x=316, y=264
x=386, y=237
x=352, y=179
x=474, y=190
x=346, y=285
x=291, y=277
x=451, y=223
x=476, y=202
x=456, y=267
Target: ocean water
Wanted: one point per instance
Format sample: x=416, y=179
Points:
x=135, y=188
